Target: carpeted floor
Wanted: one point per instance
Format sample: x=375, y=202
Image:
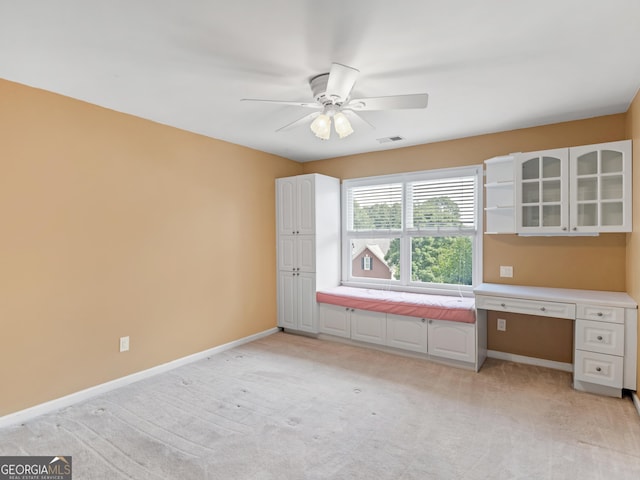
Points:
x=290, y=407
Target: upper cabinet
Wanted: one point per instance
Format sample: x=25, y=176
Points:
x=600, y=188
x=542, y=192
x=296, y=205
x=577, y=190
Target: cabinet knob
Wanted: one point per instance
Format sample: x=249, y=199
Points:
x=503, y=305
x=431, y=321
x=423, y=320
x=598, y=369
x=574, y=228
x=599, y=314
x=543, y=309
x=564, y=228
x=599, y=337
x=353, y=309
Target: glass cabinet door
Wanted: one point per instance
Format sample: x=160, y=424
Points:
x=600, y=186
x=542, y=192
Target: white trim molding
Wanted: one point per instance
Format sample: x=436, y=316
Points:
x=22, y=416
x=636, y=401
x=539, y=362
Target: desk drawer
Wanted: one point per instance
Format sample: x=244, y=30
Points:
x=598, y=368
x=600, y=337
x=530, y=307
x=600, y=313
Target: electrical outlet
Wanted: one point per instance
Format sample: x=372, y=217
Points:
x=502, y=325
x=506, y=271
x=124, y=344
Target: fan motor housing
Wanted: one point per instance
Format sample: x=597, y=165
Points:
x=318, y=86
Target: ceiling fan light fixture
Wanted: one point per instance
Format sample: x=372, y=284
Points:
x=342, y=125
x=321, y=126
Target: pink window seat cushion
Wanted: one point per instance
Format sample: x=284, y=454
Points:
x=438, y=307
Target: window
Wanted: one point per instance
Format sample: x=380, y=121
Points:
x=420, y=230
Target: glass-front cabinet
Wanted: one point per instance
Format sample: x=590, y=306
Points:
x=577, y=190
x=601, y=187
x=541, y=192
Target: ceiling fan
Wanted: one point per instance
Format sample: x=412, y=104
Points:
x=331, y=92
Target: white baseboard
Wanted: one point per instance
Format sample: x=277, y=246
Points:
x=636, y=401
x=540, y=362
x=22, y=416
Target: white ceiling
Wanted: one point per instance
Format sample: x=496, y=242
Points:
x=488, y=66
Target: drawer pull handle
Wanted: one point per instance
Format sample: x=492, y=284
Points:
x=543, y=309
x=600, y=314
x=598, y=369
x=599, y=337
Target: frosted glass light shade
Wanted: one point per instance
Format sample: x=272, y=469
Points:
x=342, y=125
x=321, y=126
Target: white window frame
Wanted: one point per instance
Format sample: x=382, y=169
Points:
x=405, y=234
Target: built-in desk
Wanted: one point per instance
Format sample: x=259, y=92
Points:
x=605, y=329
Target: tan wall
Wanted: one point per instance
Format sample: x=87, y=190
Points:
x=111, y=226
x=596, y=263
x=633, y=239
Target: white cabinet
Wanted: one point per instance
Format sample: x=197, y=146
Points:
x=500, y=195
x=601, y=187
x=296, y=205
x=542, y=192
x=452, y=340
x=335, y=320
x=370, y=327
x=599, y=347
x=308, y=246
x=574, y=190
x=605, y=329
x=296, y=301
x=439, y=339
x=407, y=333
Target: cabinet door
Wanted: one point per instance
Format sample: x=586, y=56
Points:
x=286, y=199
x=287, y=255
x=369, y=327
x=542, y=192
x=306, y=253
x=287, y=303
x=305, y=205
x=408, y=333
x=453, y=340
x=306, y=302
x=601, y=187
x=335, y=320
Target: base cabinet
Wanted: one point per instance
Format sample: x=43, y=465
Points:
x=452, y=340
x=335, y=320
x=297, y=302
x=436, y=338
x=370, y=327
x=408, y=333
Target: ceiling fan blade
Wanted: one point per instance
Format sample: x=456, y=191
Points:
x=341, y=81
x=280, y=102
x=357, y=120
x=417, y=100
x=299, y=122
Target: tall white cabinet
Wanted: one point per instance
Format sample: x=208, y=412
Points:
x=308, y=246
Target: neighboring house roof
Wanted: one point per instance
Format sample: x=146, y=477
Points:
x=374, y=249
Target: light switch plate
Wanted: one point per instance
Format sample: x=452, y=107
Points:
x=506, y=271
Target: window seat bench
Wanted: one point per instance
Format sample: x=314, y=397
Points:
x=438, y=307
x=441, y=328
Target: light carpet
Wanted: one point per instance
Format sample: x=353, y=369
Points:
x=292, y=407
